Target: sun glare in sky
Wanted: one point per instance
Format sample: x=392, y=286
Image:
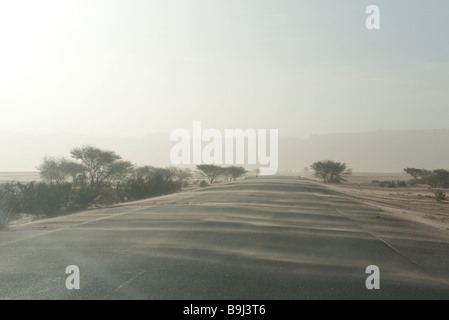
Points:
x=303, y=67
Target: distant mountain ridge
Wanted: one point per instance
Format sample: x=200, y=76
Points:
x=380, y=151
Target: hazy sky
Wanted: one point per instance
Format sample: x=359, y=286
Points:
x=129, y=68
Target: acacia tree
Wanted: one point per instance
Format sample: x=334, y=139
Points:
x=51, y=170
x=441, y=178
x=233, y=172
x=211, y=171
x=330, y=171
x=57, y=170
x=227, y=174
x=163, y=175
x=102, y=167
x=181, y=174
x=438, y=177
x=417, y=173
x=143, y=172
x=73, y=169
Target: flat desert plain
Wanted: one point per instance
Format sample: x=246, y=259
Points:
x=19, y=177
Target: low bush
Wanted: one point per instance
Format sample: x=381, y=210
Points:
x=52, y=199
x=391, y=184
x=440, y=195
x=9, y=204
x=401, y=183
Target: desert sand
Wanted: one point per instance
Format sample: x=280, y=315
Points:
x=415, y=202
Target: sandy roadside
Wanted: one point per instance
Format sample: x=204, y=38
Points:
x=415, y=203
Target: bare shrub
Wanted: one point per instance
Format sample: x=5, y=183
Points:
x=440, y=195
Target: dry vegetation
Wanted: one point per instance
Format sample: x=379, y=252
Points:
x=417, y=202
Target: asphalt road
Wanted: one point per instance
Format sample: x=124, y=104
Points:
x=264, y=238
